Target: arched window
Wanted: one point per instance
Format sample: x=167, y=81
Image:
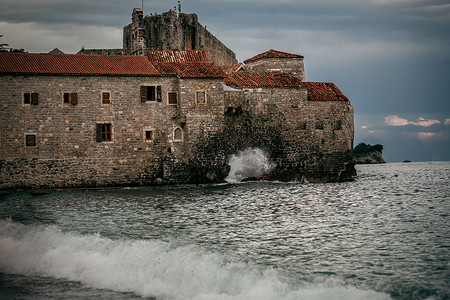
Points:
x=178, y=134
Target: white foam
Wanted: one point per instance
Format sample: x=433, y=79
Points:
x=151, y=267
x=251, y=162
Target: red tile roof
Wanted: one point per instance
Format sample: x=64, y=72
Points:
x=232, y=68
x=173, y=56
x=73, y=64
x=184, y=64
x=256, y=80
x=272, y=54
x=323, y=91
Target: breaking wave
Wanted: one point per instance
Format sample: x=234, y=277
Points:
x=151, y=268
x=251, y=162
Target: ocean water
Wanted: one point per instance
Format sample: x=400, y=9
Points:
x=384, y=235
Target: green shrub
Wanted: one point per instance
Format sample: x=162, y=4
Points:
x=362, y=149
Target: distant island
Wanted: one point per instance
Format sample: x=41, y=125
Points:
x=368, y=154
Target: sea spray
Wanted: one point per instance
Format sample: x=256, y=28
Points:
x=152, y=268
x=251, y=162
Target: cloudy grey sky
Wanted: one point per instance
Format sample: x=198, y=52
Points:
x=390, y=57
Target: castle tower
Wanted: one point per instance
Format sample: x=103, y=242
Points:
x=169, y=31
x=137, y=39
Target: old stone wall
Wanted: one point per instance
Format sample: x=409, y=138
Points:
x=169, y=31
x=66, y=152
x=295, y=66
x=307, y=140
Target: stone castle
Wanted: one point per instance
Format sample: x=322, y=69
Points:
x=170, y=107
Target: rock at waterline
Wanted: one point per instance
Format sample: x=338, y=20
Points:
x=368, y=154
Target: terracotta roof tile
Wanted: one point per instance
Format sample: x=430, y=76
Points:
x=272, y=54
x=73, y=64
x=232, y=68
x=184, y=64
x=323, y=91
x=256, y=80
x=191, y=70
x=172, y=56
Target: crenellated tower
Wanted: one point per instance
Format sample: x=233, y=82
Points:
x=173, y=31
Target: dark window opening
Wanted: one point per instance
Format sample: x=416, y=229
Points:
x=302, y=126
x=338, y=125
x=173, y=98
x=149, y=135
x=201, y=97
x=70, y=98
x=150, y=90
x=30, y=140
x=106, y=98
x=27, y=98
x=31, y=98
x=150, y=93
x=104, y=132
x=319, y=125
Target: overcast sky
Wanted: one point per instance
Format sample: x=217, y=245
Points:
x=390, y=57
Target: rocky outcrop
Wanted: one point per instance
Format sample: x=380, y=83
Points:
x=368, y=154
x=375, y=157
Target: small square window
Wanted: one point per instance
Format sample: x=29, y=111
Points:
x=201, y=97
x=319, y=125
x=302, y=126
x=173, y=98
x=30, y=140
x=104, y=132
x=106, y=98
x=149, y=136
x=70, y=98
x=337, y=125
x=31, y=98
x=151, y=93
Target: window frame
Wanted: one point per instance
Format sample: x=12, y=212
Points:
x=70, y=98
x=173, y=134
x=152, y=139
x=26, y=135
x=30, y=98
x=168, y=98
x=205, y=97
x=102, y=93
x=102, y=133
x=144, y=92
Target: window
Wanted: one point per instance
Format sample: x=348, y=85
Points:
x=150, y=93
x=337, y=125
x=104, y=132
x=178, y=134
x=70, y=98
x=173, y=98
x=30, y=140
x=149, y=136
x=302, y=125
x=106, y=98
x=200, y=97
x=31, y=98
x=319, y=125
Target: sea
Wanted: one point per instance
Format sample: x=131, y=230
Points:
x=383, y=235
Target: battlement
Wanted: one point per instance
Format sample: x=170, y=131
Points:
x=169, y=31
